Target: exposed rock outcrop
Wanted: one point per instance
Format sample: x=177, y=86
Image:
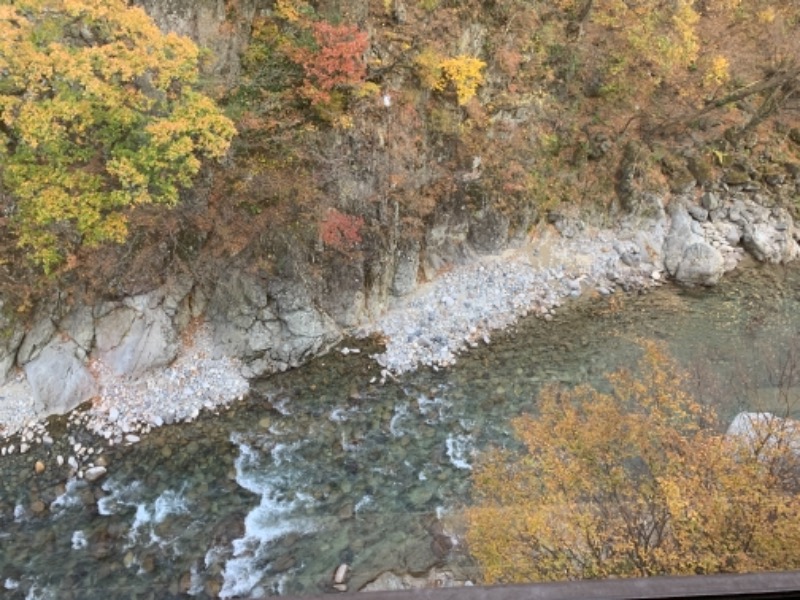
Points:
x=270, y=324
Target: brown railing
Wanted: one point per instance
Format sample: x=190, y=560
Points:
x=764, y=586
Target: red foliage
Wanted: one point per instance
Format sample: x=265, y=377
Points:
x=338, y=60
x=340, y=231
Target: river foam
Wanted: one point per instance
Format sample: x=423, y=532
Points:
x=280, y=512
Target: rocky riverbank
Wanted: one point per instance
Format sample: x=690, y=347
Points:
x=139, y=372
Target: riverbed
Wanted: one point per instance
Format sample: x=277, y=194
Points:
x=331, y=465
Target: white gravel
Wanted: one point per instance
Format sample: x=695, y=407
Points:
x=125, y=406
x=194, y=382
x=462, y=307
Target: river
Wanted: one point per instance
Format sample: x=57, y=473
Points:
x=325, y=465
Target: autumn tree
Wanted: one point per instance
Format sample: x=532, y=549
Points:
x=636, y=481
x=99, y=112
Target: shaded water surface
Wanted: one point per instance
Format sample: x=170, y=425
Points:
x=325, y=465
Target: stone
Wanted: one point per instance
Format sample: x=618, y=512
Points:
x=767, y=244
x=701, y=264
x=59, y=380
x=679, y=237
x=268, y=323
x=94, y=473
x=36, y=339
x=340, y=574
x=709, y=201
x=38, y=507
x=283, y=563
x=698, y=213
x=78, y=325
x=39, y=467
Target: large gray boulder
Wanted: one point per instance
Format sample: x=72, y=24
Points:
x=701, y=264
x=687, y=256
x=769, y=242
x=758, y=429
x=59, y=379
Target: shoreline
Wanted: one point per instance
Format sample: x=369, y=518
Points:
x=455, y=311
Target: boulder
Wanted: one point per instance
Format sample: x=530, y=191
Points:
x=701, y=264
x=687, y=256
x=58, y=378
x=768, y=243
x=758, y=428
x=679, y=237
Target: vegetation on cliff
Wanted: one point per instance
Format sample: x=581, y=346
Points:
x=373, y=116
x=99, y=112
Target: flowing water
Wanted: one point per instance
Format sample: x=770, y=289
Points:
x=325, y=465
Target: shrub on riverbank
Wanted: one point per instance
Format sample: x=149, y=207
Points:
x=638, y=481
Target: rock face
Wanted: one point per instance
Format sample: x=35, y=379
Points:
x=271, y=325
x=11, y=334
x=136, y=335
x=59, y=379
x=202, y=21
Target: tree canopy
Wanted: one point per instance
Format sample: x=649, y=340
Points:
x=634, y=482
x=99, y=112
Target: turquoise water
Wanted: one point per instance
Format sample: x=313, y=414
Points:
x=325, y=465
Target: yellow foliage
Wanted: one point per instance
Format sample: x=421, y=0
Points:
x=429, y=69
x=96, y=124
x=633, y=482
x=718, y=71
x=463, y=73
x=291, y=10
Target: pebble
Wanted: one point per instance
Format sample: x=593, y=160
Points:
x=132, y=439
x=94, y=473
x=39, y=467
x=60, y=460
x=340, y=575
